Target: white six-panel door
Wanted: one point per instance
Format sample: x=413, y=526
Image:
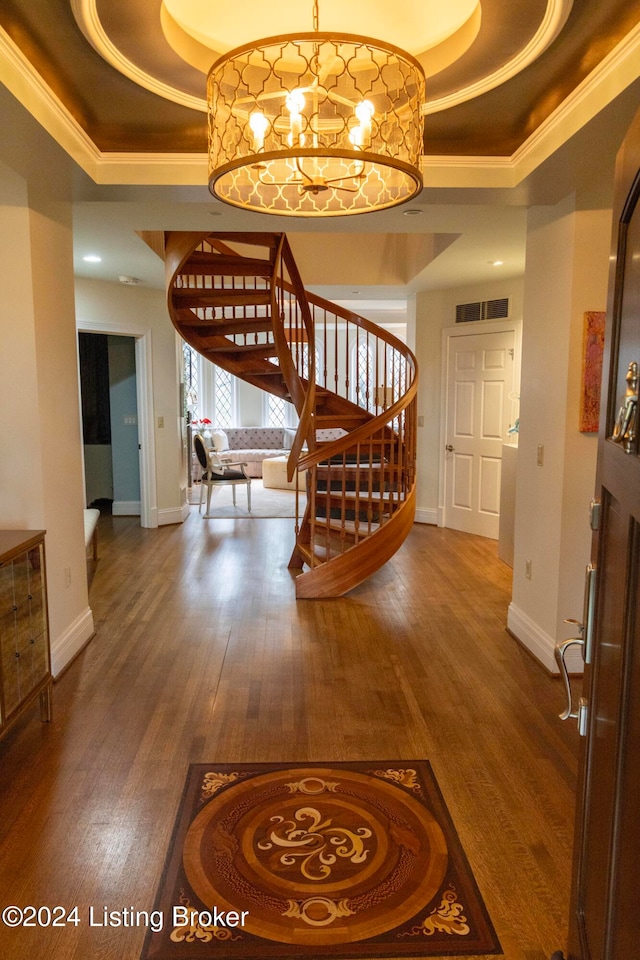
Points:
x=479, y=382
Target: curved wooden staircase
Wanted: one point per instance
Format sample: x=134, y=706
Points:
x=238, y=299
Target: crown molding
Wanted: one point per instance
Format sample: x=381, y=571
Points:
x=617, y=71
x=86, y=16
x=27, y=86
x=555, y=17
x=553, y=21
x=610, y=78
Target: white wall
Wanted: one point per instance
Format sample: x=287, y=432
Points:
x=567, y=271
x=41, y=473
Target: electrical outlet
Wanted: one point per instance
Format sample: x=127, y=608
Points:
x=160, y=423
x=540, y=456
x=527, y=569
x=421, y=421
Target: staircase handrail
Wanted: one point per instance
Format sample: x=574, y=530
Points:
x=360, y=434
x=378, y=421
x=287, y=366
x=305, y=432
x=359, y=321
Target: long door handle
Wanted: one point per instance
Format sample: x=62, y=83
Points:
x=449, y=448
x=559, y=652
x=569, y=713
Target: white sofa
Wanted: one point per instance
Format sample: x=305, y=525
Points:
x=252, y=445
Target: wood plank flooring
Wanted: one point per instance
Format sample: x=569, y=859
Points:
x=203, y=654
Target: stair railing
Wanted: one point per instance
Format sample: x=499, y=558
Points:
x=294, y=330
x=370, y=368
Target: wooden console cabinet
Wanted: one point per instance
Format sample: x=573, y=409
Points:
x=25, y=660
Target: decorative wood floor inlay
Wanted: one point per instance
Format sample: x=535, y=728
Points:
x=320, y=860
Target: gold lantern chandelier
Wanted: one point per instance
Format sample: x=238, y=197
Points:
x=315, y=125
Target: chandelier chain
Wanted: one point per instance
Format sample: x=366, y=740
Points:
x=316, y=16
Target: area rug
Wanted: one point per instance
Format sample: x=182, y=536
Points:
x=337, y=860
x=265, y=502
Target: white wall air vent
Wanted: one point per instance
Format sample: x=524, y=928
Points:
x=483, y=310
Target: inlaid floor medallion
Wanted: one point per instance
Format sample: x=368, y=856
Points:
x=317, y=860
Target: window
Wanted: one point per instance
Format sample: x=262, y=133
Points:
x=363, y=374
x=397, y=373
x=191, y=379
x=223, y=397
x=305, y=361
x=276, y=412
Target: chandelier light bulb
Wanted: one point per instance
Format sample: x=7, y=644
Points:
x=355, y=135
x=295, y=106
x=259, y=126
x=364, y=112
x=295, y=101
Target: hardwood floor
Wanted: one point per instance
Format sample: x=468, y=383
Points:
x=203, y=654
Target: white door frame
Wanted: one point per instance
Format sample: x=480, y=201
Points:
x=474, y=328
x=144, y=392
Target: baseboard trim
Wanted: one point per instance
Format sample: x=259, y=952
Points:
x=126, y=508
x=67, y=646
x=428, y=515
x=173, y=515
x=539, y=643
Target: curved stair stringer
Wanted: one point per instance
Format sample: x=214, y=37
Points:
x=351, y=568
x=252, y=316
x=350, y=565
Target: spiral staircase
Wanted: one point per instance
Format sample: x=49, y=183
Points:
x=238, y=299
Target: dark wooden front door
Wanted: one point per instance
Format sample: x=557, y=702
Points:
x=605, y=920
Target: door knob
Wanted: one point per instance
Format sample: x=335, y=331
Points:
x=449, y=448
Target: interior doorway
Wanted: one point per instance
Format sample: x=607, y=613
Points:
x=110, y=422
x=479, y=406
x=141, y=337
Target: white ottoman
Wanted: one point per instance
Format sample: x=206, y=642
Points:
x=274, y=475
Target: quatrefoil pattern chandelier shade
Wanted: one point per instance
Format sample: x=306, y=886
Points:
x=315, y=125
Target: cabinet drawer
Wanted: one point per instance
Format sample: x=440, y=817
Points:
x=10, y=679
x=6, y=587
x=8, y=628
x=22, y=670
x=23, y=623
x=25, y=666
x=21, y=577
x=33, y=665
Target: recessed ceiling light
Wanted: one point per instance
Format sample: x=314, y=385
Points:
x=495, y=263
x=92, y=258
x=412, y=212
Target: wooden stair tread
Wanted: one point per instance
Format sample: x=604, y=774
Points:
x=261, y=349
x=363, y=528
x=224, y=265
x=364, y=496
x=221, y=297
x=209, y=328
